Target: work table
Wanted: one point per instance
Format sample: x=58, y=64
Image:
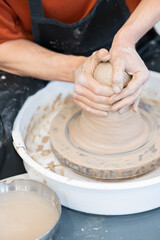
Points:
x=79, y=226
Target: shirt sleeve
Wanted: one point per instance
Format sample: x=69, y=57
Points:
x=10, y=28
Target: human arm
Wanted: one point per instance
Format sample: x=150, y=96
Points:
x=124, y=57
x=26, y=58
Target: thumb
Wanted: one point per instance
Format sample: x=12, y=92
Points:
x=118, y=76
x=101, y=55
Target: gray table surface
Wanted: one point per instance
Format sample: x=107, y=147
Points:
x=80, y=226
x=76, y=225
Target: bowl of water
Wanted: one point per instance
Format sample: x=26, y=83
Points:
x=28, y=210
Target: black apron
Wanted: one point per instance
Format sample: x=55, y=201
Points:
x=14, y=90
x=93, y=32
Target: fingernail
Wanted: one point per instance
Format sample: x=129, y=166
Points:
x=105, y=114
x=112, y=101
x=114, y=108
x=106, y=58
x=74, y=95
x=116, y=89
x=135, y=109
x=121, y=110
x=82, y=79
x=78, y=90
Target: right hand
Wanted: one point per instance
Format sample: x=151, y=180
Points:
x=126, y=60
x=88, y=93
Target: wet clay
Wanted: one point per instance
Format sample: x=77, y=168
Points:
x=116, y=133
x=119, y=146
x=25, y=215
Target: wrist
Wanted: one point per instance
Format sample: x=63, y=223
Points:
x=124, y=38
x=65, y=66
x=75, y=62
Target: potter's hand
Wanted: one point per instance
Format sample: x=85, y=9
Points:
x=126, y=59
x=89, y=94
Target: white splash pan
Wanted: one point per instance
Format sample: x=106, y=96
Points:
x=77, y=192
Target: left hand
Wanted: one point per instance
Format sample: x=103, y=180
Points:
x=88, y=93
x=126, y=60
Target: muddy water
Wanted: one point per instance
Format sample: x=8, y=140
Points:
x=25, y=215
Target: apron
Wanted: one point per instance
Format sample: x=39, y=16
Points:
x=2, y=143
x=91, y=33
x=14, y=90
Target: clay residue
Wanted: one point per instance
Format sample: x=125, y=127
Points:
x=44, y=116
x=39, y=148
x=47, y=109
x=44, y=181
x=58, y=98
x=62, y=172
x=155, y=102
x=33, y=139
x=45, y=139
x=68, y=99
x=51, y=166
x=45, y=152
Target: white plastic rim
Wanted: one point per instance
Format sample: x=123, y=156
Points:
x=107, y=198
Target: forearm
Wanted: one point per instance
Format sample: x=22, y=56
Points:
x=142, y=19
x=23, y=57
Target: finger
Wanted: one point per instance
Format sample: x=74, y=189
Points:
x=123, y=110
x=84, y=75
x=139, y=78
x=127, y=101
x=88, y=109
x=101, y=55
x=80, y=90
x=135, y=105
x=87, y=81
x=91, y=104
x=118, y=75
x=137, y=81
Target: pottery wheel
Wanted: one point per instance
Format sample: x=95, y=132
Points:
x=118, y=146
